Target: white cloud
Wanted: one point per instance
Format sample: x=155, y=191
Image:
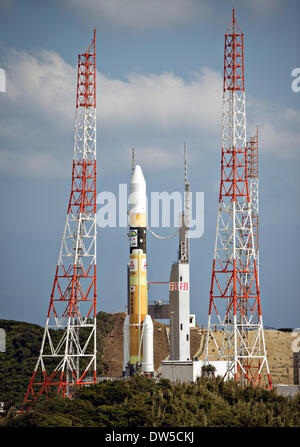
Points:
x=42, y=84
x=30, y=165
x=165, y=102
x=37, y=110
x=38, y=115
x=279, y=128
x=280, y=142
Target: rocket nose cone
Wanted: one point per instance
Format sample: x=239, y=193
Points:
x=137, y=176
x=137, y=198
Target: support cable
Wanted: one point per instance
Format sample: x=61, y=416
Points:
x=162, y=237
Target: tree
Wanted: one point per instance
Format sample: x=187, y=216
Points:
x=208, y=371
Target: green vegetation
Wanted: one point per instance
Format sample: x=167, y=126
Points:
x=208, y=371
x=136, y=402
x=142, y=402
x=23, y=343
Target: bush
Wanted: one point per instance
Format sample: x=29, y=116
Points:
x=142, y=402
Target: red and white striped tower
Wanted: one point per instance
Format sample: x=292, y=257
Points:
x=234, y=307
x=253, y=181
x=68, y=352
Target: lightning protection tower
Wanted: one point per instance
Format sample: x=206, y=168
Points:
x=252, y=154
x=234, y=306
x=68, y=352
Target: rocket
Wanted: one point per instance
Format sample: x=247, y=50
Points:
x=138, y=325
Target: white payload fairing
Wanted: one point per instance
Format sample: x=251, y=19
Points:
x=138, y=325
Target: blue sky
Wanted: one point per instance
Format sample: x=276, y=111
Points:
x=159, y=83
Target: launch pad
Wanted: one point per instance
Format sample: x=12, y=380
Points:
x=189, y=371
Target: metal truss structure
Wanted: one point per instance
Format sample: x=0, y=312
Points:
x=234, y=307
x=68, y=352
x=184, y=237
x=253, y=181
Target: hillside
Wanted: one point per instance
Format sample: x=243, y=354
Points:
x=23, y=341
x=278, y=344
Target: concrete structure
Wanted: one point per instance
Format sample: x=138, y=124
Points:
x=189, y=371
x=179, y=308
x=296, y=364
x=159, y=310
x=287, y=390
x=180, y=371
x=192, y=320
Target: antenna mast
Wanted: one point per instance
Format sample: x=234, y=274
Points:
x=132, y=160
x=184, y=249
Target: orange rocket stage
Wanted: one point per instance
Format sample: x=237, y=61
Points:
x=138, y=326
